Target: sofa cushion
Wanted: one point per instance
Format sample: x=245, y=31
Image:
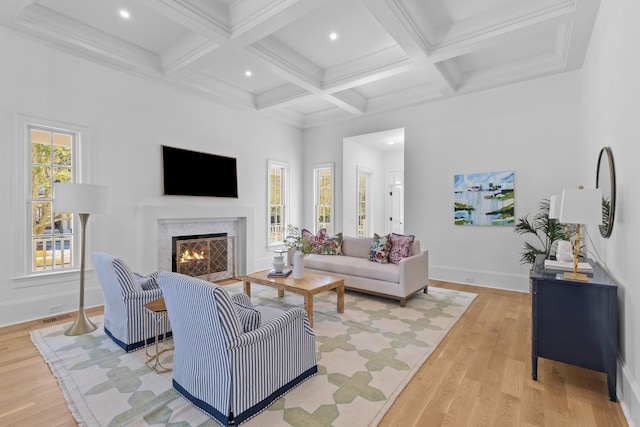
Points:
x=400, y=246
x=323, y=244
x=314, y=239
x=379, y=249
x=356, y=246
x=415, y=247
x=332, y=245
x=354, y=266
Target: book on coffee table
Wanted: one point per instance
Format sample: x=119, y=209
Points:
x=283, y=273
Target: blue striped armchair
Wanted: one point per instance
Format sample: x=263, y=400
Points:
x=125, y=294
x=232, y=360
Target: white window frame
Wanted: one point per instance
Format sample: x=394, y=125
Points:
x=284, y=191
x=23, y=276
x=363, y=171
x=316, y=195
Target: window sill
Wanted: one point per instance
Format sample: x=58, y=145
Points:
x=276, y=246
x=49, y=278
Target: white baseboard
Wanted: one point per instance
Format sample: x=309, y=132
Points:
x=487, y=279
x=628, y=392
x=25, y=310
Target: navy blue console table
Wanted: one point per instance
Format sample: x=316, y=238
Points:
x=574, y=322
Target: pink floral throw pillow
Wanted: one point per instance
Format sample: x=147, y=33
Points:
x=400, y=246
x=316, y=241
x=379, y=250
x=323, y=244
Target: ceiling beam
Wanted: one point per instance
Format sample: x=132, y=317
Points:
x=228, y=29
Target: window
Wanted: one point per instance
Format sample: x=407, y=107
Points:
x=278, y=201
x=364, y=202
x=323, y=197
x=52, y=152
x=47, y=152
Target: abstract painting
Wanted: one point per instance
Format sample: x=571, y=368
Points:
x=483, y=198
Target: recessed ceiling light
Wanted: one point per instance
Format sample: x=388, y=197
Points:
x=333, y=36
x=124, y=14
x=391, y=142
x=248, y=73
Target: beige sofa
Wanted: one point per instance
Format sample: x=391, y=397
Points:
x=398, y=281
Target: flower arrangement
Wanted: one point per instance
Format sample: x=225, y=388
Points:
x=295, y=241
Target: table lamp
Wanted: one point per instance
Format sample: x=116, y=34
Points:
x=580, y=206
x=83, y=199
x=564, y=249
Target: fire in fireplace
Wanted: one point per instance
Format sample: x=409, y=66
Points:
x=208, y=256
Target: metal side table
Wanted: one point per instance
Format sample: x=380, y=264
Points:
x=157, y=310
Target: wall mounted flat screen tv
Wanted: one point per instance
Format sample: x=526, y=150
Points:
x=192, y=173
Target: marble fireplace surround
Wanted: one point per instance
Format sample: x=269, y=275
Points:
x=156, y=223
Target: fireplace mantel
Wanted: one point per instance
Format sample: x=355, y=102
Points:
x=149, y=218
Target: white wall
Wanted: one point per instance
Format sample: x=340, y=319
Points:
x=128, y=119
x=531, y=128
x=611, y=98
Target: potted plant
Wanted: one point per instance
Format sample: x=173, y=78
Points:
x=546, y=230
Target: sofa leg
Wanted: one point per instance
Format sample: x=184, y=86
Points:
x=426, y=288
x=403, y=301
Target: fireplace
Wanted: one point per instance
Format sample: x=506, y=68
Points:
x=209, y=257
x=158, y=223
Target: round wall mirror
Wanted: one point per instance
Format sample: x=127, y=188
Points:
x=606, y=181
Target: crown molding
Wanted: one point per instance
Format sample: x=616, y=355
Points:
x=86, y=40
x=324, y=117
x=474, y=30
x=402, y=99
x=208, y=18
x=220, y=92
x=189, y=50
x=281, y=96
x=349, y=100
x=288, y=63
x=383, y=63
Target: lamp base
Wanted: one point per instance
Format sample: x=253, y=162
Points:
x=82, y=325
x=580, y=277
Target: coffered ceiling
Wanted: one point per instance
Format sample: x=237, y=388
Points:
x=387, y=53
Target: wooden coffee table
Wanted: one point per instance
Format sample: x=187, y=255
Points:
x=311, y=284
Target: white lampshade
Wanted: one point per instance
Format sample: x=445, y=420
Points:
x=554, y=206
x=581, y=206
x=81, y=198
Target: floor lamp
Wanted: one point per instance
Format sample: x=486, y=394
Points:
x=83, y=199
x=580, y=206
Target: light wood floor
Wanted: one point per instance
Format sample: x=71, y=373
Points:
x=480, y=375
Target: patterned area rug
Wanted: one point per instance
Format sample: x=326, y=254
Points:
x=365, y=358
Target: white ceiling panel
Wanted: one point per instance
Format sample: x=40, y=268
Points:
x=359, y=34
x=232, y=71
